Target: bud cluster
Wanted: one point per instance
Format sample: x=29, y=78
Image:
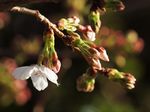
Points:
x=124, y=78
x=88, y=33
x=78, y=37
x=94, y=19
x=49, y=56
x=69, y=24
x=86, y=82
x=91, y=54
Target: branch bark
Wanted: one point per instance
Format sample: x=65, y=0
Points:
x=40, y=17
x=6, y=5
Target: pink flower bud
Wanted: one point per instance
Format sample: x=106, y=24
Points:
x=95, y=63
x=82, y=28
x=90, y=33
x=56, y=66
x=76, y=20
x=103, y=54
x=130, y=80
x=94, y=52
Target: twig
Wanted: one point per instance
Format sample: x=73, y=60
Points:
x=40, y=17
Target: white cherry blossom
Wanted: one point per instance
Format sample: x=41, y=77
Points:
x=39, y=75
x=91, y=35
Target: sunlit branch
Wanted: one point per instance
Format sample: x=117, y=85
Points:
x=40, y=17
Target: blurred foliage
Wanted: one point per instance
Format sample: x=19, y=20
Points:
x=122, y=49
x=11, y=89
x=20, y=44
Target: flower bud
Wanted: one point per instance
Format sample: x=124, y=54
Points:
x=88, y=33
x=49, y=56
x=90, y=54
x=85, y=83
x=69, y=24
x=94, y=52
x=125, y=79
x=94, y=19
x=75, y=20
x=129, y=80
x=95, y=63
x=56, y=64
x=103, y=54
x=62, y=23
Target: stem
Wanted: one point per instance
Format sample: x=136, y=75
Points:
x=40, y=17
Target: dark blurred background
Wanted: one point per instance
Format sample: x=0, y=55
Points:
x=21, y=42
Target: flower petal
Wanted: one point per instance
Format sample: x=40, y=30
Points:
x=96, y=63
x=23, y=72
x=39, y=81
x=91, y=35
x=51, y=75
x=103, y=54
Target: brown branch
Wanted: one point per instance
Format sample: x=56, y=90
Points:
x=40, y=17
x=7, y=4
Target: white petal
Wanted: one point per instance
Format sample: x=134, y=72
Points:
x=91, y=36
x=96, y=64
x=23, y=72
x=39, y=81
x=103, y=54
x=51, y=75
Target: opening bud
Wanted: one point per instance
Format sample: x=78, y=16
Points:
x=102, y=54
x=129, y=80
x=88, y=33
x=126, y=79
x=85, y=83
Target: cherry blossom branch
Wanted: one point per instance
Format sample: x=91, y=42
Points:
x=89, y=51
x=40, y=17
x=126, y=79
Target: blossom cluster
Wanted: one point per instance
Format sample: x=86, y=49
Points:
x=47, y=67
x=79, y=37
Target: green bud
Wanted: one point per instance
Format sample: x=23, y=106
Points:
x=69, y=24
x=114, y=74
x=125, y=79
x=94, y=19
x=62, y=23
x=49, y=48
